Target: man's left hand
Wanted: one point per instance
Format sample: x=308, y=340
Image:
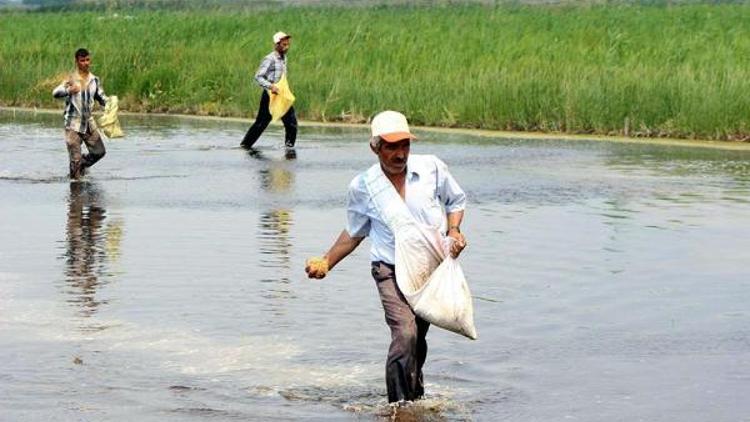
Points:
x=459, y=244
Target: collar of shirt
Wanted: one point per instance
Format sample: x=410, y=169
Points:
x=91, y=76
x=414, y=170
x=420, y=199
x=413, y=175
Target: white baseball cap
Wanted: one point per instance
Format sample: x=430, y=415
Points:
x=391, y=126
x=277, y=37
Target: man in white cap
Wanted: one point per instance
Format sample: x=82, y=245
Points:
x=433, y=198
x=269, y=73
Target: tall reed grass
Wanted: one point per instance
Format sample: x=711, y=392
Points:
x=681, y=71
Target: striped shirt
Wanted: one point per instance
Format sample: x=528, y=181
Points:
x=270, y=69
x=78, y=107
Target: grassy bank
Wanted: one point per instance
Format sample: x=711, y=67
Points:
x=638, y=70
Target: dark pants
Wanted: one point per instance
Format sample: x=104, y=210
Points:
x=264, y=118
x=408, y=351
x=79, y=162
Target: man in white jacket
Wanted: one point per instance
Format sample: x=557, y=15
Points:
x=433, y=198
x=80, y=91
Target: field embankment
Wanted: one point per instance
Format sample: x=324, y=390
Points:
x=681, y=71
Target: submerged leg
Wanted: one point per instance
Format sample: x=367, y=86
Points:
x=408, y=349
x=73, y=143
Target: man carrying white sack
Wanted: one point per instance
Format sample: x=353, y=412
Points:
x=434, y=199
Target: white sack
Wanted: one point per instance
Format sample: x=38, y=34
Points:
x=442, y=297
x=432, y=282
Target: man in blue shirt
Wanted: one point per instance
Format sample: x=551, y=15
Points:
x=270, y=71
x=434, y=199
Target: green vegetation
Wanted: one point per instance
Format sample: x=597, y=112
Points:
x=681, y=71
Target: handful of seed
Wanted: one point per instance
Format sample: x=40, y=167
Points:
x=317, y=264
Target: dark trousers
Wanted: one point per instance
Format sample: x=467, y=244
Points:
x=408, y=351
x=264, y=118
x=79, y=162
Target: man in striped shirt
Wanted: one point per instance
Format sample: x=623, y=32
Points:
x=80, y=91
x=269, y=73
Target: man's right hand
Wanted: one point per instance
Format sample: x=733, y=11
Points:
x=274, y=89
x=73, y=89
x=316, y=267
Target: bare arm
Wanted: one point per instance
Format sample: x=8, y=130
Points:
x=454, y=231
x=341, y=248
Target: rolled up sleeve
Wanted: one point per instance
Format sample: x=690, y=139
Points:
x=357, y=220
x=450, y=193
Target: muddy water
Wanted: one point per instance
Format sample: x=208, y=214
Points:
x=610, y=280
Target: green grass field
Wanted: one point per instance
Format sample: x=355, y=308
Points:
x=679, y=71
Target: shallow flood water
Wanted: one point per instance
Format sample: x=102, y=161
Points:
x=611, y=280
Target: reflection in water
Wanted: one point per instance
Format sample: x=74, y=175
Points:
x=563, y=248
x=289, y=154
x=90, y=246
x=274, y=238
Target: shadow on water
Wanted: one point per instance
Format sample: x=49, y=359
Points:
x=92, y=243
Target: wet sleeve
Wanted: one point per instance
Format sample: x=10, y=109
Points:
x=357, y=221
x=449, y=192
x=260, y=75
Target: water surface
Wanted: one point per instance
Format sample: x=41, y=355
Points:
x=610, y=280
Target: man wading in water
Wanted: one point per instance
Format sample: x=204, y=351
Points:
x=80, y=91
x=433, y=198
x=270, y=71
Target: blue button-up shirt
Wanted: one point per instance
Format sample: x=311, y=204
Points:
x=431, y=193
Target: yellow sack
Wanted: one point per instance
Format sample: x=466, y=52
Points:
x=108, y=122
x=280, y=103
